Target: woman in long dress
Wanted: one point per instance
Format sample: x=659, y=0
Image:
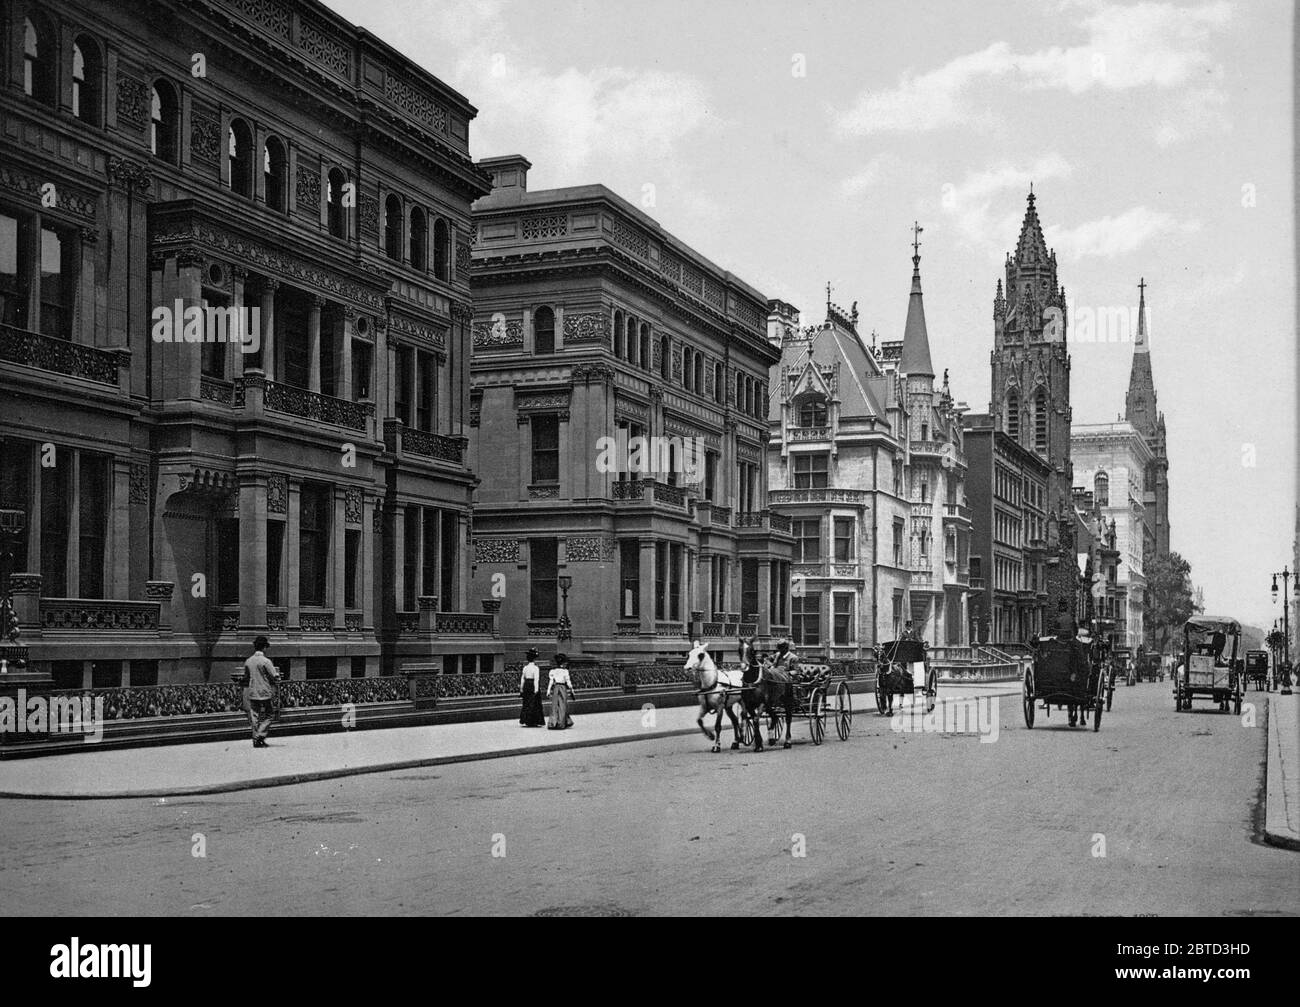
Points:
x=530, y=691
x=560, y=691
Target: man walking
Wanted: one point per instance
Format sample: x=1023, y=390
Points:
x=260, y=677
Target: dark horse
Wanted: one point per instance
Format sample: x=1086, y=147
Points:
x=768, y=690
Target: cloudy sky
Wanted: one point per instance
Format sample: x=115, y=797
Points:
x=795, y=145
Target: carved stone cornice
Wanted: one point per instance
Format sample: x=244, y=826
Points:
x=129, y=175
x=593, y=373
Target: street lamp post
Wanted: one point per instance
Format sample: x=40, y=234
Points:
x=562, y=631
x=1286, y=628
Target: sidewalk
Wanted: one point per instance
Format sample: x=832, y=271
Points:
x=224, y=766
x=1282, y=818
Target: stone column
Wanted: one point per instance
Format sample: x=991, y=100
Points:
x=647, y=598
x=72, y=565
x=370, y=514
x=118, y=583
x=705, y=582
x=253, y=552
x=338, y=527
x=313, y=343
x=399, y=557
x=292, y=529
x=269, y=287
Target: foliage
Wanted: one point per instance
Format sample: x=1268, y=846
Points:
x=1170, y=601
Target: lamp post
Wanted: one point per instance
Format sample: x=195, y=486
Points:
x=562, y=631
x=1286, y=628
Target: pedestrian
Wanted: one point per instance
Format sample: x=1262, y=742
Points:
x=560, y=691
x=260, y=677
x=530, y=690
x=1067, y=627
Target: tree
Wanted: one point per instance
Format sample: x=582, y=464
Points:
x=1170, y=601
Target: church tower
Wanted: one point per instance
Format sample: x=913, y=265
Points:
x=1140, y=410
x=1031, y=385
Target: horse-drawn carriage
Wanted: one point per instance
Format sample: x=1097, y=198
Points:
x=1065, y=674
x=1210, y=667
x=903, y=669
x=1257, y=671
x=760, y=688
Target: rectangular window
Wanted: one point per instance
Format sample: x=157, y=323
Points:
x=227, y=543
x=805, y=619
x=748, y=589
x=321, y=667
x=710, y=476
x=313, y=544
x=807, y=540
x=291, y=320
x=543, y=569
x=402, y=384
x=212, y=360
x=629, y=572
x=358, y=667
x=844, y=540
x=843, y=619
x=411, y=557
x=55, y=494
x=16, y=490
x=92, y=523
x=429, y=579
x=546, y=449
x=898, y=613
x=810, y=471
x=661, y=571
x=675, y=583
x=898, y=543
x=274, y=557
x=328, y=362
x=105, y=674
x=360, y=371
x=15, y=272
x=424, y=399
x=352, y=569
x=144, y=673
x=58, y=282
x=449, y=560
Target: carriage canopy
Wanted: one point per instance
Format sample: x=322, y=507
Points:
x=903, y=651
x=1203, y=625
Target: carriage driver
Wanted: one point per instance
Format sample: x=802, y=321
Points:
x=786, y=659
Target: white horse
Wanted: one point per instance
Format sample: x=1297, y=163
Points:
x=718, y=691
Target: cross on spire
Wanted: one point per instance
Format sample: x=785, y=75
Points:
x=916, y=238
x=1142, y=288
x=828, y=295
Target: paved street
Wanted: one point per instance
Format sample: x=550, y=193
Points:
x=893, y=823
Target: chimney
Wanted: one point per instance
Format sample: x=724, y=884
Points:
x=509, y=173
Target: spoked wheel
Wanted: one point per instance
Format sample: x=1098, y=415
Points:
x=817, y=716
x=882, y=696
x=1027, y=698
x=1097, y=704
x=774, y=729
x=843, y=711
x=746, y=732
x=931, y=689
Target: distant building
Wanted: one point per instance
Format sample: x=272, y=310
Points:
x=1140, y=409
x=1104, y=599
x=1111, y=460
x=1007, y=486
x=618, y=424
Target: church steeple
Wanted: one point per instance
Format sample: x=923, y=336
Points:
x=1031, y=249
x=916, y=340
x=1140, y=403
x=1140, y=346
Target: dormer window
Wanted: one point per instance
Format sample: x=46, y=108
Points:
x=812, y=412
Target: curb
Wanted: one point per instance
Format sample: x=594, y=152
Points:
x=1280, y=821
x=289, y=779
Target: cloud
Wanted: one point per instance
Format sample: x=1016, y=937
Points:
x=1146, y=45
x=969, y=203
x=868, y=178
x=1109, y=236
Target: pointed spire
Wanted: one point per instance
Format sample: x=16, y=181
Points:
x=916, y=340
x=1141, y=345
x=1031, y=247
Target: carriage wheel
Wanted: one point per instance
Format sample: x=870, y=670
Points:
x=882, y=697
x=746, y=731
x=931, y=689
x=843, y=711
x=817, y=716
x=1027, y=691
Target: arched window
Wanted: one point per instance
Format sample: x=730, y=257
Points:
x=87, y=73
x=241, y=158
x=336, y=212
x=418, y=240
x=393, y=228
x=1040, y=420
x=38, y=59
x=645, y=346
x=698, y=381
x=760, y=400
x=442, y=250
x=718, y=388
x=620, y=336
x=688, y=368
x=544, y=331
x=275, y=168
x=749, y=396
x=164, y=122
x=665, y=359
x=1101, y=490
x=1012, y=419
x=740, y=390
x=631, y=340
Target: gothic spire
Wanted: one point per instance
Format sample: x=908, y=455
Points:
x=1140, y=346
x=916, y=340
x=1031, y=248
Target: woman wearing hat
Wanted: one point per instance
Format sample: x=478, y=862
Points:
x=530, y=690
x=560, y=690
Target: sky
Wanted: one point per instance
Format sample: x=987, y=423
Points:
x=796, y=144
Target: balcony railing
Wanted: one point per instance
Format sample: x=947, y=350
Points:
x=464, y=623
x=643, y=489
x=956, y=512
x=810, y=433
x=62, y=356
x=820, y=495
x=423, y=443
x=309, y=405
x=94, y=615
x=216, y=390
x=674, y=495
